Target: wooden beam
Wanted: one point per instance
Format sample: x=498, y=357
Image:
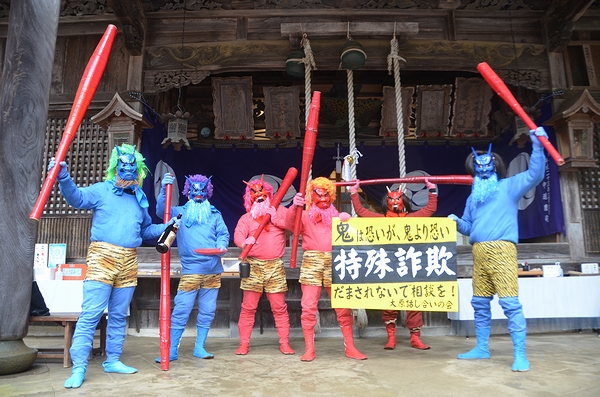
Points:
x=133, y=20
x=561, y=16
x=242, y=28
x=24, y=92
x=354, y=28
x=451, y=20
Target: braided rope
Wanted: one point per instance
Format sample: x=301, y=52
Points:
x=351, y=127
x=309, y=65
x=394, y=59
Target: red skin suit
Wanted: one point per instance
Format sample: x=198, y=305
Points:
x=267, y=273
x=414, y=319
x=315, y=272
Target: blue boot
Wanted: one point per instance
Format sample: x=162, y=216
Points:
x=175, y=342
x=481, y=349
x=520, y=364
x=200, y=340
x=118, y=367
x=76, y=379
x=517, y=326
x=483, y=323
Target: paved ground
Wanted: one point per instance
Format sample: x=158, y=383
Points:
x=562, y=364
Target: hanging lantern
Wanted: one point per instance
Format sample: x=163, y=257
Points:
x=574, y=124
x=353, y=55
x=177, y=130
x=294, y=65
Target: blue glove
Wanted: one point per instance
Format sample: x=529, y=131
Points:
x=167, y=180
x=63, y=173
x=222, y=248
x=175, y=220
x=533, y=134
x=453, y=217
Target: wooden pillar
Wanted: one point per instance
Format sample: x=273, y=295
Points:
x=24, y=96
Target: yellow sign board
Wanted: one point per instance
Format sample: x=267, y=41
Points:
x=385, y=263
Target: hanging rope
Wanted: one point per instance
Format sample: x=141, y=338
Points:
x=309, y=65
x=352, y=157
x=394, y=61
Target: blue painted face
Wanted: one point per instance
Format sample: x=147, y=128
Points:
x=484, y=164
x=198, y=191
x=127, y=167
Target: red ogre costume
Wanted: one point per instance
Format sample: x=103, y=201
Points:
x=398, y=206
x=267, y=273
x=315, y=272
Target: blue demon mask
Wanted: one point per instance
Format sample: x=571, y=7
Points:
x=484, y=164
x=127, y=166
x=198, y=190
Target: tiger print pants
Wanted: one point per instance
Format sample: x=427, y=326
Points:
x=495, y=269
x=112, y=265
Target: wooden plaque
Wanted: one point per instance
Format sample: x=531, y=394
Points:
x=389, y=126
x=232, y=104
x=472, y=106
x=282, y=112
x=433, y=110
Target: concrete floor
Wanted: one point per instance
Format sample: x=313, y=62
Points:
x=562, y=364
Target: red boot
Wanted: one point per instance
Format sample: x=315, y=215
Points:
x=243, y=349
x=246, y=320
x=415, y=341
x=391, y=333
x=309, y=340
x=351, y=351
x=282, y=321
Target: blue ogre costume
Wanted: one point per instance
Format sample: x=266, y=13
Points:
x=202, y=226
x=119, y=224
x=491, y=220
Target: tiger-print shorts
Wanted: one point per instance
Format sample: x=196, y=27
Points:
x=265, y=275
x=495, y=269
x=316, y=269
x=112, y=265
x=193, y=282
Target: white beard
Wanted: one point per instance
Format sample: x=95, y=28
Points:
x=260, y=209
x=196, y=212
x=484, y=189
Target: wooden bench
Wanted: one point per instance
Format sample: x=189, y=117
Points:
x=68, y=321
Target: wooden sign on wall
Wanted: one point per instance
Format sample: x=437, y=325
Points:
x=389, y=123
x=472, y=106
x=232, y=104
x=433, y=110
x=282, y=112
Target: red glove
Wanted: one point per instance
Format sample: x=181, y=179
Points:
x=299, y=200
x=354, y=188
x=429, y=184
x=273, y=212
x=344, y=216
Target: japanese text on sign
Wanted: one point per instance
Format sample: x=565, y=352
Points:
x=394, y=264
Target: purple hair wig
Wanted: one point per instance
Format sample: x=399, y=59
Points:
x=197, y=178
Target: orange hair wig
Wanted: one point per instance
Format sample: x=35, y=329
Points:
x=319, y=183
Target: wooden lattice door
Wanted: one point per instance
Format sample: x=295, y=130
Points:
x=87, y=159
x=589, y=182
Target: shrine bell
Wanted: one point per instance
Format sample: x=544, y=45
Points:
x=353, y=55
x=294, y=65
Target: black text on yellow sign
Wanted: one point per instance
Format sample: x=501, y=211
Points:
x=381, y=231
x=394, y=264
x=419, y=296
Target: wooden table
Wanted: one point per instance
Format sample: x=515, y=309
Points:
x=68, y=321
